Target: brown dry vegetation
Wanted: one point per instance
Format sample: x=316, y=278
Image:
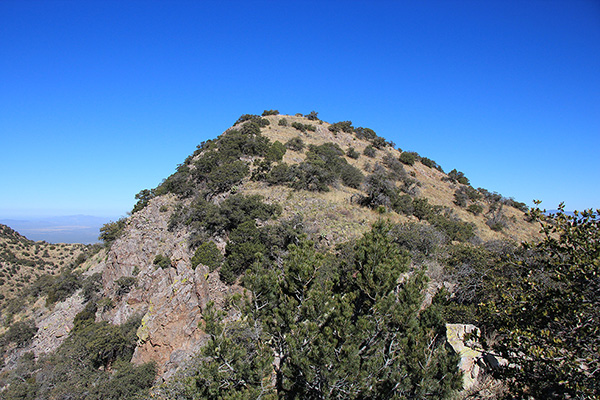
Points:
x=22, y=261
x=337, y=218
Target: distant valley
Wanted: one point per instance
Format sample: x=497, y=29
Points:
x=62, y=229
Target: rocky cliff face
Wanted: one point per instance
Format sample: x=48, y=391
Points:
x=171, y=299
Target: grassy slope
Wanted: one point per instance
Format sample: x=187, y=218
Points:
x=332, y=214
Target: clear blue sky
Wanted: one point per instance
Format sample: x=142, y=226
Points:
x=100, y=99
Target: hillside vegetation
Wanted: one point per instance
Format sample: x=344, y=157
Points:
x=293, y=258
x=22, y=261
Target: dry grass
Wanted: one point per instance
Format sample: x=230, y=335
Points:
x=17, y=255
x=351, y=219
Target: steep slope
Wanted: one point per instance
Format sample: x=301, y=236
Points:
x=244, y=197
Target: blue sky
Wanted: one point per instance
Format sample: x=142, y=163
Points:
x=100, y=99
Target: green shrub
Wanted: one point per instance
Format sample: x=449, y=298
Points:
x=243, y=249
x=62, y=286
x=403, y=204
x=303, y=127
x=475, y=209
x=395, y=166
x=323, y=165
x=351, y=176
x=262, y=122
x=457, y=176
x=283, y=122
x=365, y=133
x=20, y=333
x=379, y=143
x=313, y=116
x=369, y=151
x=380, y=190
x=408, y=158
x=143, y=197
x=280, y=174
x=207, y=254
x=295, y=144
x=270, y=112
x=421, y=240
x=236, y=209
x=225, y=176
x=344, y=126
x=352, y=153
x=92, y=286
x=111, y=231
x=310, y=176
x=276, y=151
x=126, y=283
x=162, y=261
x=430, y=163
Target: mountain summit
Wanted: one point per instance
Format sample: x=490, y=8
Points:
x=306, y=251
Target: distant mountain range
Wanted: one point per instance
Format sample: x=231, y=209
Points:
x=62, y=229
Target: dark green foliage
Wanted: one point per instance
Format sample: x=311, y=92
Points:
x=295, y=144
x=542, y=301
x=516, y=204
x=283, y=122
x=206, y=216
x=261, y=122
x=365, y=133
x=111, y=231
x=20, y=333
x=276, y=151
x=313, y=116
x=207, y=254
x=126, y=283
x=369, y=151
x=261, y=169
x=143, y=198
x=243, y=249
x=421, y=240
x=380, y=190
x=92, y=286
x=475, y=209
x=250, y=128
x=86, y=316
x=270, y=112
x=344, y=328
x=280, y=174
x=352, y=153
x=60, y=287
x=430, y=163
x=350, y=176
x=553, y=325
x=465, y=194
x=128, y=381
x=78, y=368
x=403, y=204
x=162, y=261
x=379, y=143
x=457, y=176
x=453, y=227
x=220, y=167
x=344, y=126
x=246, y=142
x=224, y=177
x=303, y=127
x=408, y=158
x=179, y=183
x=324, y=165
x=395, y=166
